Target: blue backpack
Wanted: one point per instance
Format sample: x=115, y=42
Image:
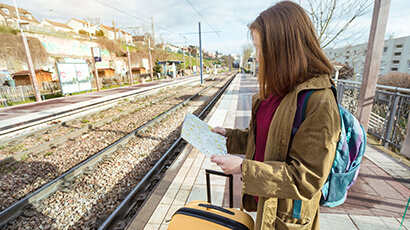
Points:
x=349, y=153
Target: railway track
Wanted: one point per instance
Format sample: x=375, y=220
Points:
x=11, y=135
x=141, y=149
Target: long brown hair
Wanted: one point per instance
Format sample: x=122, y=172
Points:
x=290, y=52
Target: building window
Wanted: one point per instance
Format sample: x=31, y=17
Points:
x=29, y=16
x=347, y=51
x=396, y=62
x=347, y=57
x=394, y=69
x=408, y=64
x=6, y=10
x=399, y=46
x=385, y=49
x=335, y=54
x=397, y=54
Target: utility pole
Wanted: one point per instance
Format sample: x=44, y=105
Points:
x=372, y=61
x=152, y=27
x=150, y=60
x=89, y=29
x=184, y=53
x=115, y=31
x=200, y=53
x=29, y=60
x=229, y=64
x=129, y=66
x=95, y=70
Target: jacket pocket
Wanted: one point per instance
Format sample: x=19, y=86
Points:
x=286, y=221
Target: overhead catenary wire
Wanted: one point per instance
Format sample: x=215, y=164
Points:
x=209, y=25
x=132, y=15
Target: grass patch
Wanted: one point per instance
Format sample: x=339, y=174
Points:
x=85, y=121
x=48, y=154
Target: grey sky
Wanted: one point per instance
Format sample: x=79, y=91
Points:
x=231, y=17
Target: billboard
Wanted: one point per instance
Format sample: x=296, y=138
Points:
x=74, y=77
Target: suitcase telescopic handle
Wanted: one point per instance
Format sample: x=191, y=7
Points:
x=208, y=184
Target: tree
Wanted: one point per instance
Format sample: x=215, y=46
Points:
x=395, y=79
x=82, y=32
x=332, y=17
x=247, y=50
x=100, y=33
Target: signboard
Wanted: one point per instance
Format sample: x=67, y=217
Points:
x=97, y=53
x=74, y=77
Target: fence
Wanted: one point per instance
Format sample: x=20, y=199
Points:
x=390, y=111
x=21, y=93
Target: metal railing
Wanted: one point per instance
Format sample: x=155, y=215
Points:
x=390, y=111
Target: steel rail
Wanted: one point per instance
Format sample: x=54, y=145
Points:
x=129, y=202
x=64, y=138
x=17, y=208
x=8, y=130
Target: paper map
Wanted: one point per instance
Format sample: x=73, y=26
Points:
x=199, y=134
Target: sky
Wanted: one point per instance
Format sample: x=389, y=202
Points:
x=176, y=19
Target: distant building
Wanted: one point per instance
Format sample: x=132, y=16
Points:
x=396, y=56
x=23, y=78
x=108, y=31
x=56, y=26
x=8, y=16
x=78, y=25
x=171, y=48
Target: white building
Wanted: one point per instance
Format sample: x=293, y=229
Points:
x=78, y=25
x=8, y=16
x=396, y=56
x=56, y=25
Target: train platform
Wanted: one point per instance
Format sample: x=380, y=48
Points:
x=28, y=115
x=376, y=201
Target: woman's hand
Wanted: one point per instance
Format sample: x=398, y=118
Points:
x=229, y=164
x=219, y=130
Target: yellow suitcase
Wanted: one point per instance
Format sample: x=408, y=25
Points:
x=202, y=215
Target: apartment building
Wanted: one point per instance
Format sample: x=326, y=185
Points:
x=395, y=58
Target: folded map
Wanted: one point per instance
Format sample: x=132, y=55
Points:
x=199, y=134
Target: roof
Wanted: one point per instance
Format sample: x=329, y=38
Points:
x=27, y=72
x=23, y=13
x=107, y=27
x=58, y=24
x=101, y=69
x=137, y=68
x=81, y=21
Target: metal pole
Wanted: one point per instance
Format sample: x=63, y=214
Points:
x=95, y=70
x=153, y=35
x=129, y=67
x=372, y=62
x=390, y=122
x=200, y=53
x=150, y=60
x=229, y=64
x=29, y=60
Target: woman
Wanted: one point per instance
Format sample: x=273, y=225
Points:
x=279, y=170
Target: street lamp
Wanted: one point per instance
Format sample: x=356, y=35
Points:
x=337, y=68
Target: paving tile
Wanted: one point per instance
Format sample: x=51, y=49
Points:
x=150, y=226
x=181, y=197
x=375, y=222
x=159, y=214
x=330, y=221
x=406, y=222
x=169, y=196
x=170, y=213
x=188, y=183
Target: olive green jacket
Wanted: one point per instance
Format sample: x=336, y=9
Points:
x=293, y=170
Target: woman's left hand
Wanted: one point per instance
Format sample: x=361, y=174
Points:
x=229, y=164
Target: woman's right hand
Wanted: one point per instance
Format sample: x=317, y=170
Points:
x=219, y=130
